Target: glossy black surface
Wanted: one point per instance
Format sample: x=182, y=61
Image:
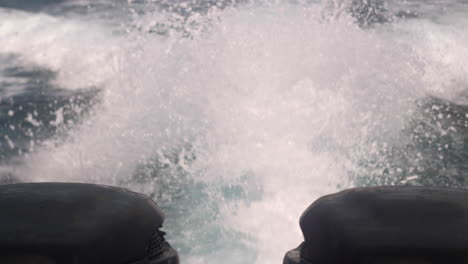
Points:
x=386, y=225
x=75, y=223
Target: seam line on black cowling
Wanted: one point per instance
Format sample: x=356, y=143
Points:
x=305, y=261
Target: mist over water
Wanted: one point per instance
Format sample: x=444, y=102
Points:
x=234, y=116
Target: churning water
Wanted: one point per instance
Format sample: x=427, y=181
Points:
x=234, y=115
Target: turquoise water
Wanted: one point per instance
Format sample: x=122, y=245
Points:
x=234, y=116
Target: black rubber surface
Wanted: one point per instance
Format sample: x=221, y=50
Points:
x=385, y=225
x=75, y=223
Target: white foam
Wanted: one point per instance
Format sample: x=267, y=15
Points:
x=444, y=53
x=81, y=52
x=276, y=92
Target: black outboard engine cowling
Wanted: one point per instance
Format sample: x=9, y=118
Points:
x=71, y=223
x=385, y=225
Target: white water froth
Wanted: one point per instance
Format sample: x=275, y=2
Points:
x=273, y=92
x=82, y=53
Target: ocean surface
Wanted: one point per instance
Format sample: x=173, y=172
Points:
x=234, y=115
